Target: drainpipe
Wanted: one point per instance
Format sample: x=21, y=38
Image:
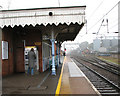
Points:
x=0, y=61
x=53, y=53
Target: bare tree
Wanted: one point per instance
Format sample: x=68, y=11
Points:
x=0, y=6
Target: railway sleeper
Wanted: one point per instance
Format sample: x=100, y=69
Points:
x=111, y=94
x=97, y=83
x=107, y=91
x=102, y=86
x=106, y=88
x=97, y=80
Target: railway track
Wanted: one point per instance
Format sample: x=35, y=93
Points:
x=103, y=64
x=102, y=84
x=113, y=66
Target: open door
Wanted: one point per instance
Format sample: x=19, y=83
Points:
x=27, y=49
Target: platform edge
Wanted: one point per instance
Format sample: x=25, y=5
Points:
x=60, y=78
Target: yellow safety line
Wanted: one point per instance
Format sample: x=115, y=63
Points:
x=59, y=83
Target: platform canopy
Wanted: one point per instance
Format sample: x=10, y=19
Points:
x=65, y=21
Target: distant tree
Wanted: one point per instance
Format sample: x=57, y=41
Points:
x=0, y=6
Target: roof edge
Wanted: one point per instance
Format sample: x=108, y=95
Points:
x=43, y=8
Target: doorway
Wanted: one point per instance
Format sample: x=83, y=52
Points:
x=27, y=49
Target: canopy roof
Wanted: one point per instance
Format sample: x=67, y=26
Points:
x=67, y=20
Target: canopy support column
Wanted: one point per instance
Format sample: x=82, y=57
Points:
x=53, y=53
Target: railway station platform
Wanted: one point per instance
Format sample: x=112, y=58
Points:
x=38, y=84
x=73, y=81
x=69, y=80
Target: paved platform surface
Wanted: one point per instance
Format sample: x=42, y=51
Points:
x=69, y=81
x=39, y=83
x=73, y=80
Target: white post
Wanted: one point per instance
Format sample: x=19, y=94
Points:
x=53, y=54
x=119, y=17
x=0, y=61
x=57, y=54
x=119, y=25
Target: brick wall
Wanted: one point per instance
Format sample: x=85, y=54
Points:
x=15, y=37
x=7, y=64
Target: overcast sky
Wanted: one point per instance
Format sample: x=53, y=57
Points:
x=95, y=10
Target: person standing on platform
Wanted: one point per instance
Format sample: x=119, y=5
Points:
x=31, y=61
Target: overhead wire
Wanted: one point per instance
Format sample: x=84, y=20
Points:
x=96, y=9
x=116, y=24
x=93, y=14
x=103, y=16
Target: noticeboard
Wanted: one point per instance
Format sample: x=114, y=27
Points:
x=37, y=43
x=4, y=50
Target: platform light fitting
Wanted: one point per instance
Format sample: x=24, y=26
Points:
x=50, y=13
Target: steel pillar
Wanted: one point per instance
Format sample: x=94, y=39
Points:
x=53, y=54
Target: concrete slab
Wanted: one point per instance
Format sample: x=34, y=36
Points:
x=65, y=85
x=27, y=84
x=34, y=88
x=74, y=71
x=74, y=81
x=81, y=86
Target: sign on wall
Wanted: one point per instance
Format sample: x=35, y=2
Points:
x=4, y=50
x=37, y=43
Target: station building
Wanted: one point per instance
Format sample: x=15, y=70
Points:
x=37, y=28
